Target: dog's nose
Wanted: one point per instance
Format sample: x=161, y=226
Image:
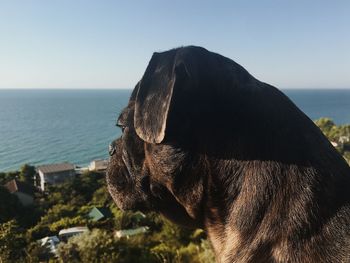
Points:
x=112, y=148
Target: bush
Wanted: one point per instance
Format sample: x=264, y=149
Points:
x=27, y=173
x=37, y=232
x=101, y=246
x=12, y=242
x=37, y=253
x=67, y=222
x=10, y=208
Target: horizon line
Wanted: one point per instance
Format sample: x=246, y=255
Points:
x=82, y=88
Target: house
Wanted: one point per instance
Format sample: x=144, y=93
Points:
x=131, y=232
x=54, y=173
x=50, y=242
x=344, y=139
x=99, y=213
x=24, y=191
x=98, y=165
x=65, y=234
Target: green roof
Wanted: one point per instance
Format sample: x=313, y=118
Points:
x=98, y=213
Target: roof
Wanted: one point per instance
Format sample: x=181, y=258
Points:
x=98, y=213
x=100, y=161
x=48, y=238
x=73, y=230
x=131, y=232
x=56, y=167
x=50, y=242
x=17, y=186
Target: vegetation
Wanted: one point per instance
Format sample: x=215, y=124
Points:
x=10, y=208
x=68, y=205
x=338, y=135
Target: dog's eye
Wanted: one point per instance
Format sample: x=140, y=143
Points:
x=121, y=126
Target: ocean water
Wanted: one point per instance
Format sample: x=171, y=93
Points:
x=47, y=126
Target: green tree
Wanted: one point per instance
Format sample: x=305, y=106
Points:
x=86, y=184
x=101, y=197
x=37, y=232
x=27, y=173
x=37, y=253
x=12, y=242
x=55, y=218
x=67, y=222
x=338, y=134
x=5, y=177
x=10, y=208
x=101, y=246
x=347, y=156
x=325, y=124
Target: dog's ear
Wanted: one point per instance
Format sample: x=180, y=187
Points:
x=182, y=89
x=155, y=94
x=134, y=92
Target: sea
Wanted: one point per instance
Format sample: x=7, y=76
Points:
x=50, y=126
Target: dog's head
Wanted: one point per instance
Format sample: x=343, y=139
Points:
x=206, y=144
x=171, y=122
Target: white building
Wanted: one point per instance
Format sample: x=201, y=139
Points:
x=344, y=139
x=51, y=243
x=55, y=173
x=131, y=232
x=98, y=165
x=65, y=234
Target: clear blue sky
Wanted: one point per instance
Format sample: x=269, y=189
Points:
x=107, y=44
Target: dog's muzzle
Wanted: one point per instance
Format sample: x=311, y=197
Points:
x=119, y=179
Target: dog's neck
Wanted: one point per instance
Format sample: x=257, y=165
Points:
x=252, y=214
x=240, y=211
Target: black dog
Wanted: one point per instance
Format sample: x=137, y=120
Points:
x=208, y=145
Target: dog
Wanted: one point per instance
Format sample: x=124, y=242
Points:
x=209, y=146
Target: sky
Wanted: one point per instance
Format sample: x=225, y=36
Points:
x=108, y=44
